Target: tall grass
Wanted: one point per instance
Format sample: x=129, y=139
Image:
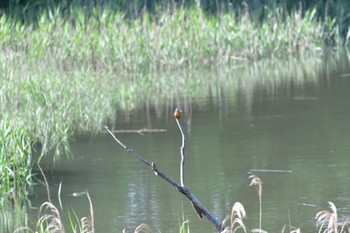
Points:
x=13, y=213
x=15, y=175
x=15, y=162
x=163, y=40
x=68, y=75
x=98, y=60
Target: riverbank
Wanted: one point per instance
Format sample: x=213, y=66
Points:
x=64, y=77
x=183, y=38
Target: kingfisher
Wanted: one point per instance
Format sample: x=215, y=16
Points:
x=177, y=113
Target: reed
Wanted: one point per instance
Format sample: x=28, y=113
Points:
x=238, y=214
x=13, y=213
x=328, y=221
x=256, y=181
x=15, y=162
x=50, y=220
x=169, y=39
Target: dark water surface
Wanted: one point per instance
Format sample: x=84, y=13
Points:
x=292, y=131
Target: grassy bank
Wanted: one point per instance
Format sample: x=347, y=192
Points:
x=167, y=40
x=67, y=76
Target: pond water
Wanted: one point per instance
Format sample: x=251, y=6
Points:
x=291, y=129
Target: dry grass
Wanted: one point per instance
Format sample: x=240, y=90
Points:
x=50, y=221
x=328, y=221
x=237, y=215
x=255, y=181
x=88, y=223
x=141, y=228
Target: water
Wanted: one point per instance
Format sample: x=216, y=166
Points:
x=292, y=132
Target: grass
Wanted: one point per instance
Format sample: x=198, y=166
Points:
x=15, y=164
x=328, y=221
x=13, y=213
x=15, y=175
x=238, y=214
x=164, y=40
x=185, y=227
x=50, y=220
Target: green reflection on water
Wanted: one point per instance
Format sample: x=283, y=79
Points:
x=13, y=214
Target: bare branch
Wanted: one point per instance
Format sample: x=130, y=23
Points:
x=177, y=116
x=197, y=205
x=151, y=165
x=140, y=131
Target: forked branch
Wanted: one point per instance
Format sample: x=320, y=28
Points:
x=197, y=205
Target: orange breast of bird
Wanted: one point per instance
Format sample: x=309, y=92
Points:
x=177, y=114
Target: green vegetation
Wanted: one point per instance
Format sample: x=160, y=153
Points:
x=15, y=165
x=46, y=69
x=167, y=40
x=15, y=175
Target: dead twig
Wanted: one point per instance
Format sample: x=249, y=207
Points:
x=140, y=131
x=44, y=176
x=197, y=205
x=177, y=116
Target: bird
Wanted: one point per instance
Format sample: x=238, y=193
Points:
x=177, y=113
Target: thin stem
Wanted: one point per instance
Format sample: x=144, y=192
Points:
x=182, y=151
x=139, y=157
x=92, y=221
x=128, y=149
x=260, y=207
x=45, y=180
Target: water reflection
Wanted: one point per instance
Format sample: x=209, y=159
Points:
x=227, y=86
x=289, y=116
x=11, y=214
